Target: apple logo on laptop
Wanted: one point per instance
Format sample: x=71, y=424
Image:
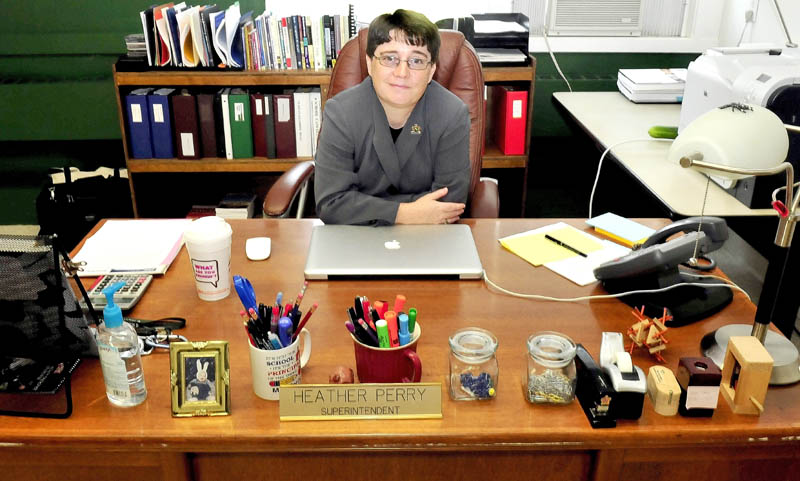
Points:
x=392, y=244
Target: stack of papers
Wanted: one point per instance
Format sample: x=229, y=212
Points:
x=132, y=246
x=652, y=85
x=620, y=229
x=501, y=55
x=237, y=206
x=535, y=248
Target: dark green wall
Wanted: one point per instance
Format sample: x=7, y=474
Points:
x=59, y=108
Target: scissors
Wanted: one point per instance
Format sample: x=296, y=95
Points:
x=246, y=293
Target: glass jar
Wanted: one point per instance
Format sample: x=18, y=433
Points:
x=473, y=365
x=551, y=368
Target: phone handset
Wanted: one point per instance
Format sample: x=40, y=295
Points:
x=715, y=229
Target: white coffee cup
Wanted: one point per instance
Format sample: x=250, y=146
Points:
x=208, y=241
x=271, y=369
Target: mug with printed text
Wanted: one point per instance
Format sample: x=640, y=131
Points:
x=273, y=368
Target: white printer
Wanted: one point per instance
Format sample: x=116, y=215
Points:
x=769, y=77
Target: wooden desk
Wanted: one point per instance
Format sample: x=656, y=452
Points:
x=506, y=438
x=609, y=118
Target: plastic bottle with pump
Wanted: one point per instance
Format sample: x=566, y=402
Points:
x=119, y=355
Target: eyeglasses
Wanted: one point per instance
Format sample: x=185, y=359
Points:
x=414, y=63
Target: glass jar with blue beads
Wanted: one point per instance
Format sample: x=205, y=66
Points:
x=473, y=365
x=551, y=376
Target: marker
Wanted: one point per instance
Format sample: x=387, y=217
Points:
x=381, y=307
x=365, y=308
x=399, y=302
x=412, y=320
x=403, y=335
x=391, y=324
x=383, y=334
x=304, y=321
x=371, y=333
x=285, y=331
x=276, y=342
x=564, y=245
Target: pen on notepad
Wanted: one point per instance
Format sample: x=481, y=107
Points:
x=566, y=246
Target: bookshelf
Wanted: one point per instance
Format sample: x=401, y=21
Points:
x=124, y=82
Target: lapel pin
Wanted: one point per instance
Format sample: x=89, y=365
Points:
x=416, y=129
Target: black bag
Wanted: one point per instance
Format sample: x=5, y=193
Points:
x=72, y=208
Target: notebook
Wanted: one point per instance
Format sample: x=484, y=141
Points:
x=431, y=251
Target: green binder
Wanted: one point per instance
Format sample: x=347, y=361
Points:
x=241, y=128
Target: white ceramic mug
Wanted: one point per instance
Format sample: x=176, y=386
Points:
x=271, y=369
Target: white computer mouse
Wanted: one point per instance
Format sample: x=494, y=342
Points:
x=258, y=248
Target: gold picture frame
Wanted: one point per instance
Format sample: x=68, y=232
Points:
x=200, y=378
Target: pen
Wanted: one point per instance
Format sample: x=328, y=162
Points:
x=278, y=299
x=372, y=334
x=564, y=245
x=273, y=338
x=273, y=322
x=304, y=321
x=358, y=308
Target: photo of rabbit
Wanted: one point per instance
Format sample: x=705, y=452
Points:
x=200, y=378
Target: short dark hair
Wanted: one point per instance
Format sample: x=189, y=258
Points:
x=418, y=30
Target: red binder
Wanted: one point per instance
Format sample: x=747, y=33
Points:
x=511, y=110
x=258, y=116
x=187, y=134
x=283, y=110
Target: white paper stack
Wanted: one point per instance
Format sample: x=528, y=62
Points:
x=652, y=85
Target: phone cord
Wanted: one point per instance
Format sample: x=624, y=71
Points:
x=693, y=260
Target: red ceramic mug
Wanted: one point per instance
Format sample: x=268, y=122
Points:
x=394, y=364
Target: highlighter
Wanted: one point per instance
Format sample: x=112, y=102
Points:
x=379, y=308
x=383, y=333
x=412, y=319
x=399, y=303
x=391, y=324
x=403, y=335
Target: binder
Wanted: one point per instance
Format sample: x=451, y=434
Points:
x=283, y=107
x=226, y=142
x=184, y=111
x=302, y=122
x=161, y=123
x=139, y=124
x=269, y=124
x=207, y=125
x=511, y=107
x=241, y=124
x=258, y=115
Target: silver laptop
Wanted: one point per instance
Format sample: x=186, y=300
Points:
x=431, y=251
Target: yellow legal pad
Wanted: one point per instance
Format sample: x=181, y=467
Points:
x=537, y=250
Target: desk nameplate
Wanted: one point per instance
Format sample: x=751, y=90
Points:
x=332, y=402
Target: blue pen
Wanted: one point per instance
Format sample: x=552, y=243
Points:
x=403, y=335
x=285, y=328
x=278, y=300
x=273, y=338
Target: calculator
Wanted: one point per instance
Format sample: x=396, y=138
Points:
x=126, y=297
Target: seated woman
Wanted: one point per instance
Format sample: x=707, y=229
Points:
x=395, y=148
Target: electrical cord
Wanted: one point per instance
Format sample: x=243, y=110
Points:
x=553, y=58
x=603, y=156
x=728, y=284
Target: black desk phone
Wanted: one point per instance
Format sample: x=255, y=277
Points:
x=655, y=265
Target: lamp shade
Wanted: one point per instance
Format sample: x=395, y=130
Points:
x=737, y=135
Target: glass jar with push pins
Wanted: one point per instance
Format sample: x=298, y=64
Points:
x=551, y=375
x=473, y=365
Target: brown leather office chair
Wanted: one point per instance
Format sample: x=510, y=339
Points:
x=458, y=70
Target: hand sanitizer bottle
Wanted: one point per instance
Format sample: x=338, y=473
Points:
x=119, y=355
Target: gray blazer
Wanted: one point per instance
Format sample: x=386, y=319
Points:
x=361, y=175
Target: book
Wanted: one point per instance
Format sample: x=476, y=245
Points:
x=161, y=123
x=240, y=124
x=672, y=80
x=510, y=119
x=237, y=206
x=187, y=135
x=198, y=211
x=138, y=120
x=316, y=118
x=620, y=229
x=269, y=125
x=650, y=97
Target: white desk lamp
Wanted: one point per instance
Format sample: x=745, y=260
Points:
x=737, y=141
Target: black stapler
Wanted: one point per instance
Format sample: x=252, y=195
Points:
x=594, y=391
